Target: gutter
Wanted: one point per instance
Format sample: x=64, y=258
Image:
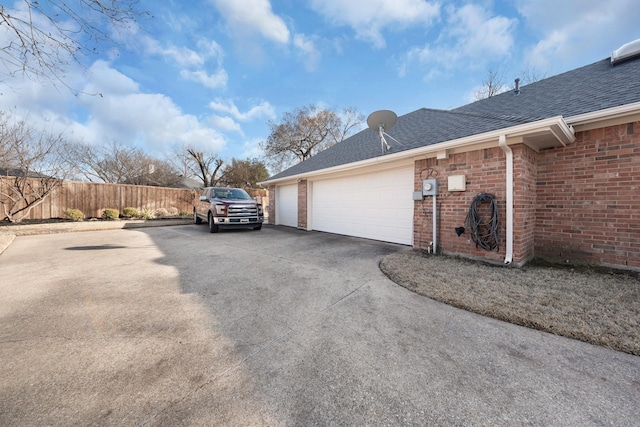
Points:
x=502, y=142
x=564, y=135
x=621, y=111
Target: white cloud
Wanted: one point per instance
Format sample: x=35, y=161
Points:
x=105, y=79
x=123, y=113
x=230, y=115
x=150, y=120
x=369, y=18
x=264, y=109
x=471, y=36
x=309, y=51
x=225, y=124
x=477, y=34
x=251, y=149
x=193, y=63
x=217, y=80
x=576, y=31
x=183, y=56
x=248, y=17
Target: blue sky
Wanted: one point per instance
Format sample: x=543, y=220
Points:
x=211, y=73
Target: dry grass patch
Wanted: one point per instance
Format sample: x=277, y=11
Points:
x=596, y=307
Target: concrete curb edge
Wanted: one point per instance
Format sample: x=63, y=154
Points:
x=8, y=233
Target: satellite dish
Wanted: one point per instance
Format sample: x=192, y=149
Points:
x=380, y=121
x=385, y=118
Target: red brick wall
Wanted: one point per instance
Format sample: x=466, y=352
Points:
x=589, y=198
x=271, y=209
x=485, y=172
x=524, y=202
x=302, y=204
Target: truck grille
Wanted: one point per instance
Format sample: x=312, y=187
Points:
x=242, y=210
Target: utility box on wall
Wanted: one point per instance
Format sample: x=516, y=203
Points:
x=430, y=187
x=457, y=183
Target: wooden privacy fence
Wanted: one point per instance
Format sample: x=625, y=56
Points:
x=92, y=198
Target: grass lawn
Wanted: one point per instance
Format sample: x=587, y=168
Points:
x=601, y=308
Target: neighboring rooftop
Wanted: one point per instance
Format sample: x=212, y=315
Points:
x=594, y=87
x=20, y=173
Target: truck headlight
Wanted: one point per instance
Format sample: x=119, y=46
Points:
x=221, y=210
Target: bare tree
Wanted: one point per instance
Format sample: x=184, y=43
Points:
x=41, y=37
x=245, y=173
x=120, y=164
x=207, y=167
x=305, y=132
x=351, y=121
x=148, y=170
x=108, y=163
x=531, y=74
x=182, y=162
x=31, y=165
x=492, y=84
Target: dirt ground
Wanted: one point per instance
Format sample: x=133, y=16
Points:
x=598, y=307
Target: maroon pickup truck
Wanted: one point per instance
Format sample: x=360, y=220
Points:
x=225, y=207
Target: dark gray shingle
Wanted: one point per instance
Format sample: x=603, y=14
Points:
x=591, y=88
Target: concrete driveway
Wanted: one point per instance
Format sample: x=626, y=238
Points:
x=177, y=326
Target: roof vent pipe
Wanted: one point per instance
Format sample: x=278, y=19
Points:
x=516, y=91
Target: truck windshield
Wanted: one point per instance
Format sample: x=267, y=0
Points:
x=235, y=194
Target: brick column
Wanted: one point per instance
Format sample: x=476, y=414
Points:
x=525, y=172
x=302, y=204
x=271, y=209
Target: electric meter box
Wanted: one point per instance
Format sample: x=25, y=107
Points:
x=430, y=187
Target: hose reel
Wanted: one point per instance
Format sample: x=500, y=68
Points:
x=483, y=221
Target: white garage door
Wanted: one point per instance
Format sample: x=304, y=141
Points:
x=375, y=206
x=287, y=205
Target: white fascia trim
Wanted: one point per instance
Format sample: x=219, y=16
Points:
x=609, y=113
x=519, y=130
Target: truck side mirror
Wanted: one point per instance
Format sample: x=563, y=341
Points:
x=203, y=198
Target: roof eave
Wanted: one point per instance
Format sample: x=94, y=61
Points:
x=540, y=134
x=620, y=114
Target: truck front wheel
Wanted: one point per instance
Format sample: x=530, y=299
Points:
x=213, y=228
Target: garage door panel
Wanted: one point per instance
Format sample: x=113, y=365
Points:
x=287, y=205
x=375, y=206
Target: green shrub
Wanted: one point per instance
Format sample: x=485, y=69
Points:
x=110, y=214
x=184, y=213
x=130, y=212
x=146, y=214
x=162, y=213
x=74, y=214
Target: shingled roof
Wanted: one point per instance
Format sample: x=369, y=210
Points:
x=594, y=87
x=13, y=172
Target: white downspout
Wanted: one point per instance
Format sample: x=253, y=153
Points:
x=509, y=178
x=435, y=225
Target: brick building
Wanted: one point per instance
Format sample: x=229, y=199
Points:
x=559, y=160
